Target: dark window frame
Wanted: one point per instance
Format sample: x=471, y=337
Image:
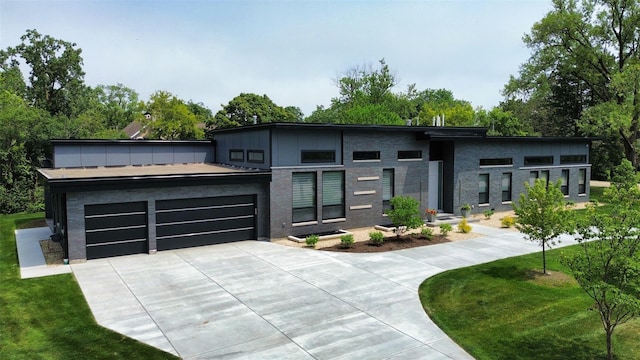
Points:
x=250, y=152
x=496, y=162
x=483, y=196
x=409, y=154
x=564, y=186
x=366, y=155
x=573, y=159
x=236, y=151
x=386, y=203
x=307, y=213
x=335, y=210
x=317, y=156
x=582, y=181
x=538, y=160
x=507, y=194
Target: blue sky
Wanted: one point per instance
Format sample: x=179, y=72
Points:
x=292, y=51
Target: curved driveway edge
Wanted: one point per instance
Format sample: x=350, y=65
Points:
x=258, y=300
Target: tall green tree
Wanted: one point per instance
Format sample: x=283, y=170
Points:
x=55, y=71
x=543, y=215
x=171, y=118
x=241, y=110
x=579, y=49
x=608, y=265
x=118, y=105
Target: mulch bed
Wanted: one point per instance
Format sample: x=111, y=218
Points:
x=390, y=243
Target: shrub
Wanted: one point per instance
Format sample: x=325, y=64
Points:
x=426, y=233
x=508, y=221
x=376, y=237
x=311, y=240
x=488, y=214
x=464, y=227
x=346, y=241
x=405, y=213
x=445, y=228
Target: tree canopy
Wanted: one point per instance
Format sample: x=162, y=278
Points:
x=241, y=110
x=583, y=71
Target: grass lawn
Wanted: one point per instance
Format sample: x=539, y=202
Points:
x=48, y=318
x=506, y=310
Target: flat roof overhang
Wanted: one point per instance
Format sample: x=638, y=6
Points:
x=151, y=176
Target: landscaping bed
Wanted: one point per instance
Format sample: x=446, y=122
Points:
x=391, y=243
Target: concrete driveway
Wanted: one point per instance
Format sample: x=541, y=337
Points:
x=260, y=300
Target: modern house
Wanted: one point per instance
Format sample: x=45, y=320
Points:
x=267, y=181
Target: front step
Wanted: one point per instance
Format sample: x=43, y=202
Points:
x=447, y=218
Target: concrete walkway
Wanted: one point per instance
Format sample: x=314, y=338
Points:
x=30, y=258
x=258, y=300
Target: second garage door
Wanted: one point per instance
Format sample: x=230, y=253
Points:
x=182, y=223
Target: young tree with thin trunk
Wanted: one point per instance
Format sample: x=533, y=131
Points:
x=608, y=265
x=543, y=215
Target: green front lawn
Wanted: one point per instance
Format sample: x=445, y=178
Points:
x=48, y=318
x=505, y=310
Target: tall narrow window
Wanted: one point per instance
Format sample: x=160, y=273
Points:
x=564, y=185
x=506, y=187
x=483, y=189
x=533, y=176
x=544, y=174
x=387, y=188
x=332, y=195
x=582, y=181
x=304, y=196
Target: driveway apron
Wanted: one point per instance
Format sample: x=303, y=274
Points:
x=258, y=300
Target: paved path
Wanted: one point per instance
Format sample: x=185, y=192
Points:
x=30, y=258
x=258, y=300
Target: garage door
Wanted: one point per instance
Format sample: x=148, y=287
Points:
x=185, y=223
x=116, y=229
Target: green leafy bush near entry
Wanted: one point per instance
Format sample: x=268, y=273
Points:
x=405, y=213
x=376, y=237
x=426, y=233
x=488, y=214
x=445, y=229
x=346, y=241
x=311, y=240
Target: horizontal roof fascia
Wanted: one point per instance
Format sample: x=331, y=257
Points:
x=145, y=182
x=128, y=142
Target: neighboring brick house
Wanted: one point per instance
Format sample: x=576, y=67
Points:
x=273, y=180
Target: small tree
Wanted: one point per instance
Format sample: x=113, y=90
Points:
x=405, y=213
x=542, y=214
x=608, y=265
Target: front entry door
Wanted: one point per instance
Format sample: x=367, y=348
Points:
x=435, y=185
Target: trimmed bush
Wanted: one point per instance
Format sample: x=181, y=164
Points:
x=508, y=221
x=426, y=233
x=488, y=214
x=464, y=227
x=445, y=228
x=346, y=241
x=376, y=237
x=311, y=240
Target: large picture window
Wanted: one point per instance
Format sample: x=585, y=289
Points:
x=304, y=197
x=506, y=187
x=564, y=185
x=332, y=195
x=483, y=189
x=387, y=188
